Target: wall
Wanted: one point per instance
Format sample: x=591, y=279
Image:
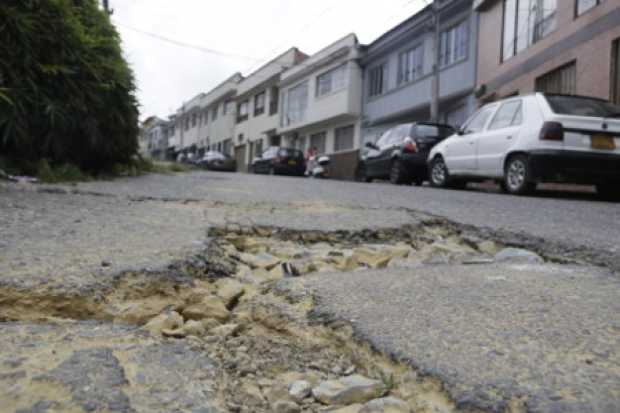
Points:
x=586, y=39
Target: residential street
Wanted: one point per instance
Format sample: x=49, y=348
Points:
x=522, y=332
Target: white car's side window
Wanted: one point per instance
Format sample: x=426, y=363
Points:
x=509, y=114
x=479, y=120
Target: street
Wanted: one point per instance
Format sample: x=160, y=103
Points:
x=533, y=330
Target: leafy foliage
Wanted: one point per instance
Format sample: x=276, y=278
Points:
x=66, y=92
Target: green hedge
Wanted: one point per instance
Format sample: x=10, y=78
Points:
x=66, y=92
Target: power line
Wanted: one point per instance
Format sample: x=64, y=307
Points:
x=187, y=45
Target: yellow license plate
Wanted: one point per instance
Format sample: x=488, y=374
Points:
x=292, y=162
x=603, y=142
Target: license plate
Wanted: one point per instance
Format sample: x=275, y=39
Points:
x=292, y=162
x=603, y=142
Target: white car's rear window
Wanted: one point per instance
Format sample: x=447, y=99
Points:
x=582, y=106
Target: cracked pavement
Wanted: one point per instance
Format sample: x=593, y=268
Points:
x=549, y=335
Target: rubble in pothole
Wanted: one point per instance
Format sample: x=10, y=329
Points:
x=271, y=353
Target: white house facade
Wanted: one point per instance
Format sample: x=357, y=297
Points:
x=257, y=106
x=321, y=102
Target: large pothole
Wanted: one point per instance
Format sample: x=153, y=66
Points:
x=272, y=352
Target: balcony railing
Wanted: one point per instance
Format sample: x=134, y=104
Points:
x=273, y=108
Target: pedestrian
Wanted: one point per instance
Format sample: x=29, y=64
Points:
x=311, y=154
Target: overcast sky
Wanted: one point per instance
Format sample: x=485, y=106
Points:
x=249, y=32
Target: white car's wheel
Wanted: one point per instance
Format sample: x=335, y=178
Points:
x=517, y=179
x=439, y=173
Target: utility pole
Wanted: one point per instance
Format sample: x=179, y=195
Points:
x=436, y=62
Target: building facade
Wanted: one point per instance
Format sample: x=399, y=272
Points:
x=555, y=46
x=219, y=116
x=257, y=106
x=189, y=136
x=398, y=69
x=321, y=105
x=154, y=137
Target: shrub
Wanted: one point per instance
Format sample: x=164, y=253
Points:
x=66, y=93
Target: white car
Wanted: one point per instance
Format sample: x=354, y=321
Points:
x=525, y=140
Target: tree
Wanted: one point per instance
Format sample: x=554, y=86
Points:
x=66, y=92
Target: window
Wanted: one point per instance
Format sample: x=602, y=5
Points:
x=479, y=120
x=585, y=5
x=344, y=138
x=259, y=104
x=453, y=44
x=331, y=81
x=410, y=65
x=274, y=97
x=194, y=118
x=258, y=148
x=228, y=107
x=318, y=141
x=214, y=112
x=376, y=80
x=562, y=80
x=242, y=112
x=525, y=23
x=582, y=106
x=240, y=137
x=509, y=114
x=297, y=103
x=615, y=72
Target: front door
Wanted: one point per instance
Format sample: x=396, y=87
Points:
x=461, y=152
x=494, y=143
x=240, y=158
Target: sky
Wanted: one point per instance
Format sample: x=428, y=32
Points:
x=233, y=36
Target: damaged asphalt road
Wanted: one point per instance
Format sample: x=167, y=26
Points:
x=527, y=336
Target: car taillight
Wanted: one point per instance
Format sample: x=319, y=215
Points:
x=552, y=131
x=409, y=146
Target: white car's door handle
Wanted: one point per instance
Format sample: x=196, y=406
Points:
x=509, y=137
x=471, y=143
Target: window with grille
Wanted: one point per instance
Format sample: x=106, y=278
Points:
x=296, y=104
x=259, y=104
x=344, y=138
x=331, y=81
x=376, y=80
x=410, y=65
x=525, y=23
x=562, y=80
x=453, y=44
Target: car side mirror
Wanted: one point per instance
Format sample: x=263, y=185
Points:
x=460, y=132
x=371, y=145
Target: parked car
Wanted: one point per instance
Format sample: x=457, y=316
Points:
x=217, y=161
x=401, y=153
x=280, y=161
x=526, y=140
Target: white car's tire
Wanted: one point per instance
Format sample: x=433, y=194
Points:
x=517, y=176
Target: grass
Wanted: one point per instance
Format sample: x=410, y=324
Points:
x=69, y=173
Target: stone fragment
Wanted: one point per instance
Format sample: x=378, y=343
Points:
x=386, y=405
x=167, y=321
x=372, y=258
x=226, y=330
x=488, y=247
x=229, y=291
x=299, y=390
x=518, y=256
x=194, y=328
x=348, y=390
x=354, y=408
x=260, y=260
x=285, y=406
x=209, y=307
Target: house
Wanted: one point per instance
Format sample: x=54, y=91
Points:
x=557, y=46
x=189, y=136
x=257, y=104
x=321, y=105
x=154, y=135
x=219, y=116
x=398, y=69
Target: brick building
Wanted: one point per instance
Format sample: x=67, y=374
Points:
x=556, y=46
